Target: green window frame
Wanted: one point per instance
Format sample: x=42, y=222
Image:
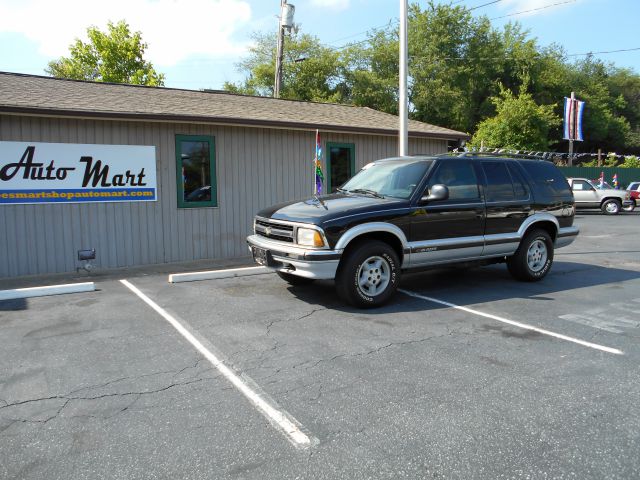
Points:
x=211, y=170
x=352, y=166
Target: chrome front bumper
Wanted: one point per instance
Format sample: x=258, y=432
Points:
x=308, y=263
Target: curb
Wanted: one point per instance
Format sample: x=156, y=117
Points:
x=217, y=274
x=48, y=290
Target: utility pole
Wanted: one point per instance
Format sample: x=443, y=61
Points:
x=285, y=21
x=403, y=137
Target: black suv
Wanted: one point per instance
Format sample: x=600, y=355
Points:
x=417, y=212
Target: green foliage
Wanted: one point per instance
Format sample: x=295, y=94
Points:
x=310, y=71
x=459, y=65
x=611, y=160
x=115, y=56
x=453, y=72
x=370, y=75
x=631, y=162
x=519, y=123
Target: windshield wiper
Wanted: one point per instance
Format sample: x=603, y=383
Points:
x=342, y=190
x=366, y=191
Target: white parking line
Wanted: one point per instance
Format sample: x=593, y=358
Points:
x=615, y=317
x=516, y=324
x=276, y=416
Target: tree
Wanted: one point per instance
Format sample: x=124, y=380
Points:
x=370, y=77
x=453, y=65
x=520, y=123
x=115, y=56
x=310, y=71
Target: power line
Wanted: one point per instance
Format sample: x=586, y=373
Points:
x=484, y=5
x=533, y=10
x=389, y=23
x=607, y=51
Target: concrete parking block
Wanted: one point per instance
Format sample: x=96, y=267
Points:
x=217, y=274
x=47, y=290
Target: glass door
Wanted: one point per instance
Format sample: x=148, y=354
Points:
x=341, y=164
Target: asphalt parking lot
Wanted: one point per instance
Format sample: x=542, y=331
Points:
x=466, y=374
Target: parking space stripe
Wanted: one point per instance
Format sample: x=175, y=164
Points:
x=516, y=324
x=277, y=417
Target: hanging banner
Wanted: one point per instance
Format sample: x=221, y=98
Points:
x=33, y=172
x=573, y=110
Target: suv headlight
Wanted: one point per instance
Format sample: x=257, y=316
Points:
x=309, y=237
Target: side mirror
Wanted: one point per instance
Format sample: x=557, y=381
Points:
x=438, y=192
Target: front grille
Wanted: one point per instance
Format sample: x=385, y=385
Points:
x=273, y=230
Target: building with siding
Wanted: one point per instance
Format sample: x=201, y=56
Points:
x=218, y=159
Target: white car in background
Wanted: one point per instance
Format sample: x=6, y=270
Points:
x=609, y=200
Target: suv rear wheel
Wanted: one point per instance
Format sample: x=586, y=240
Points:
x=611, y=207
x=369, y=274
x=533, y=258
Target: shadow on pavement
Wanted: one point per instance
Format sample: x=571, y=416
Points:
x=472, y=286
x=13, y=305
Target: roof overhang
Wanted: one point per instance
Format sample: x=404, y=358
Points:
x=227, y=121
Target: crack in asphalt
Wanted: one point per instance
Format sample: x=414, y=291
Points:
x=294, y=319
x=69, y=397
x=370, y=352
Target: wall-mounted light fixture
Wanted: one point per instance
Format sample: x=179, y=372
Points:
x=85, y=256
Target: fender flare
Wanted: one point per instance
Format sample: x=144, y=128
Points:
x=371, y=227
x=535, y=218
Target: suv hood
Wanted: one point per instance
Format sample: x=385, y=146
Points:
x=325, y=208
x=612, y=192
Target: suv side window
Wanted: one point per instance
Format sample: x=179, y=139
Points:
x=499, y=187
x=546, y=177
x=460, y=177
x=580, y=185
x=519, y=183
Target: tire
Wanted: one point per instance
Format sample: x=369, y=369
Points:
x=369, y=274
x=294, y=279
x=611, y=207
x=533, y=258
x=630, y=208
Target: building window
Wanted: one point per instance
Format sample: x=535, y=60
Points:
x=196, y=171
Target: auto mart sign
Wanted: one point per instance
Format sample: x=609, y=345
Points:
x=34, y=172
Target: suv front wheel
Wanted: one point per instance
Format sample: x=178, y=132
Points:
x=533, y=258
x=369, y=274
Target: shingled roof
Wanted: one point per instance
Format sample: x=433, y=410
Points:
x=32, y=94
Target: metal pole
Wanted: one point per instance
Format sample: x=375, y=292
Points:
x=279, y=54
x=403, y=139
x=572, y=119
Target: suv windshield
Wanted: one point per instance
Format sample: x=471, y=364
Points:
x=397, y=179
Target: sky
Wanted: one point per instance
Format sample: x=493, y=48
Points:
x=197, y=43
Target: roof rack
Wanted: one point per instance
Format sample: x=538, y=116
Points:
x=527, y=156
x=532, y=155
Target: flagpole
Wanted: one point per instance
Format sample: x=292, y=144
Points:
x=403, y=134
x=572, y=120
